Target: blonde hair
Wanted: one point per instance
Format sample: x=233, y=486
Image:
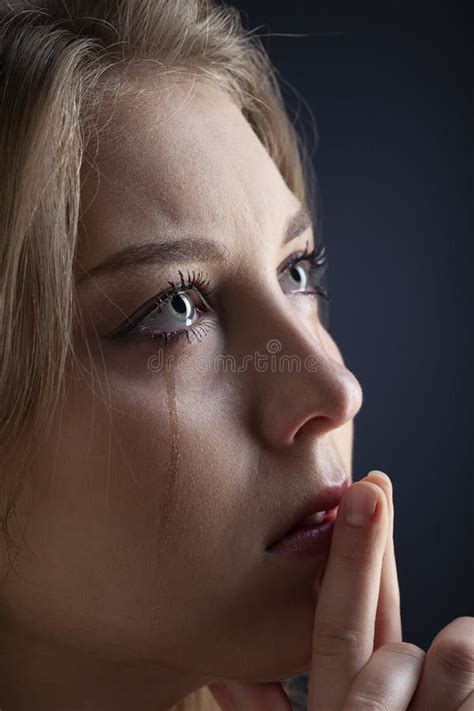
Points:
x=59, y=61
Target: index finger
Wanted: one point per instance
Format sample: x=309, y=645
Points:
x=344, y=622
x=388, y=624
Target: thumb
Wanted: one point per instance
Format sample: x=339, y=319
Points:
x=239, y=696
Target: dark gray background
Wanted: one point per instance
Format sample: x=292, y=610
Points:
x=391, y=91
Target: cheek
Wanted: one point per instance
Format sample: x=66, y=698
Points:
x=142, y=473
x=131, y=503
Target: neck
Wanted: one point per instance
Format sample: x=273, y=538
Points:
x=38, y=675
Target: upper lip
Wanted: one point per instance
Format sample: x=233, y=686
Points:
x=325, y=500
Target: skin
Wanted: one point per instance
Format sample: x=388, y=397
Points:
x=144, y=573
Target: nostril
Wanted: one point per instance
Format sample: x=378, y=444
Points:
x=315, y=425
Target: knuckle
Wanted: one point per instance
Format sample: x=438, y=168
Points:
x=455, y=657
x=333, y=642
x=453, y=651
x=386, y=674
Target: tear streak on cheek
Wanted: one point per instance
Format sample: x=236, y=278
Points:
x=171, y=485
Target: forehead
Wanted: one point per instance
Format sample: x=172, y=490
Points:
x=177, y=156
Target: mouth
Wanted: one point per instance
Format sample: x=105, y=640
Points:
x=317, y=510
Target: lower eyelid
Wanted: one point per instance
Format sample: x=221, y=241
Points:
x=202, y=326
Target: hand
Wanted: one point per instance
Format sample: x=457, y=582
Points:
x=359, y=661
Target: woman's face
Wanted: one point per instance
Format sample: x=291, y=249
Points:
x=153, y=501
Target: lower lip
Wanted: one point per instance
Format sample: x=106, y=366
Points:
x=308, y=541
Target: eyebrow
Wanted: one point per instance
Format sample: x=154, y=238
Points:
x=184, y=250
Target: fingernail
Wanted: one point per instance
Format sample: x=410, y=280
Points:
x=359, y=505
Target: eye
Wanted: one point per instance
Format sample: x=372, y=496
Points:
x=305, y=274
x=295, y=278
x=174, y=312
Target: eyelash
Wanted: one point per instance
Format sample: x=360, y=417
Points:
x=317, y=259
x=318, y=265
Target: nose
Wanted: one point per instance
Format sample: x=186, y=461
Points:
x=306, y=388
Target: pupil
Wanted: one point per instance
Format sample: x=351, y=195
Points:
x=179, y=305
x=295, y=273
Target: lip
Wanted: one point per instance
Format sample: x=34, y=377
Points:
x=326, y=500
x=308, y=541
